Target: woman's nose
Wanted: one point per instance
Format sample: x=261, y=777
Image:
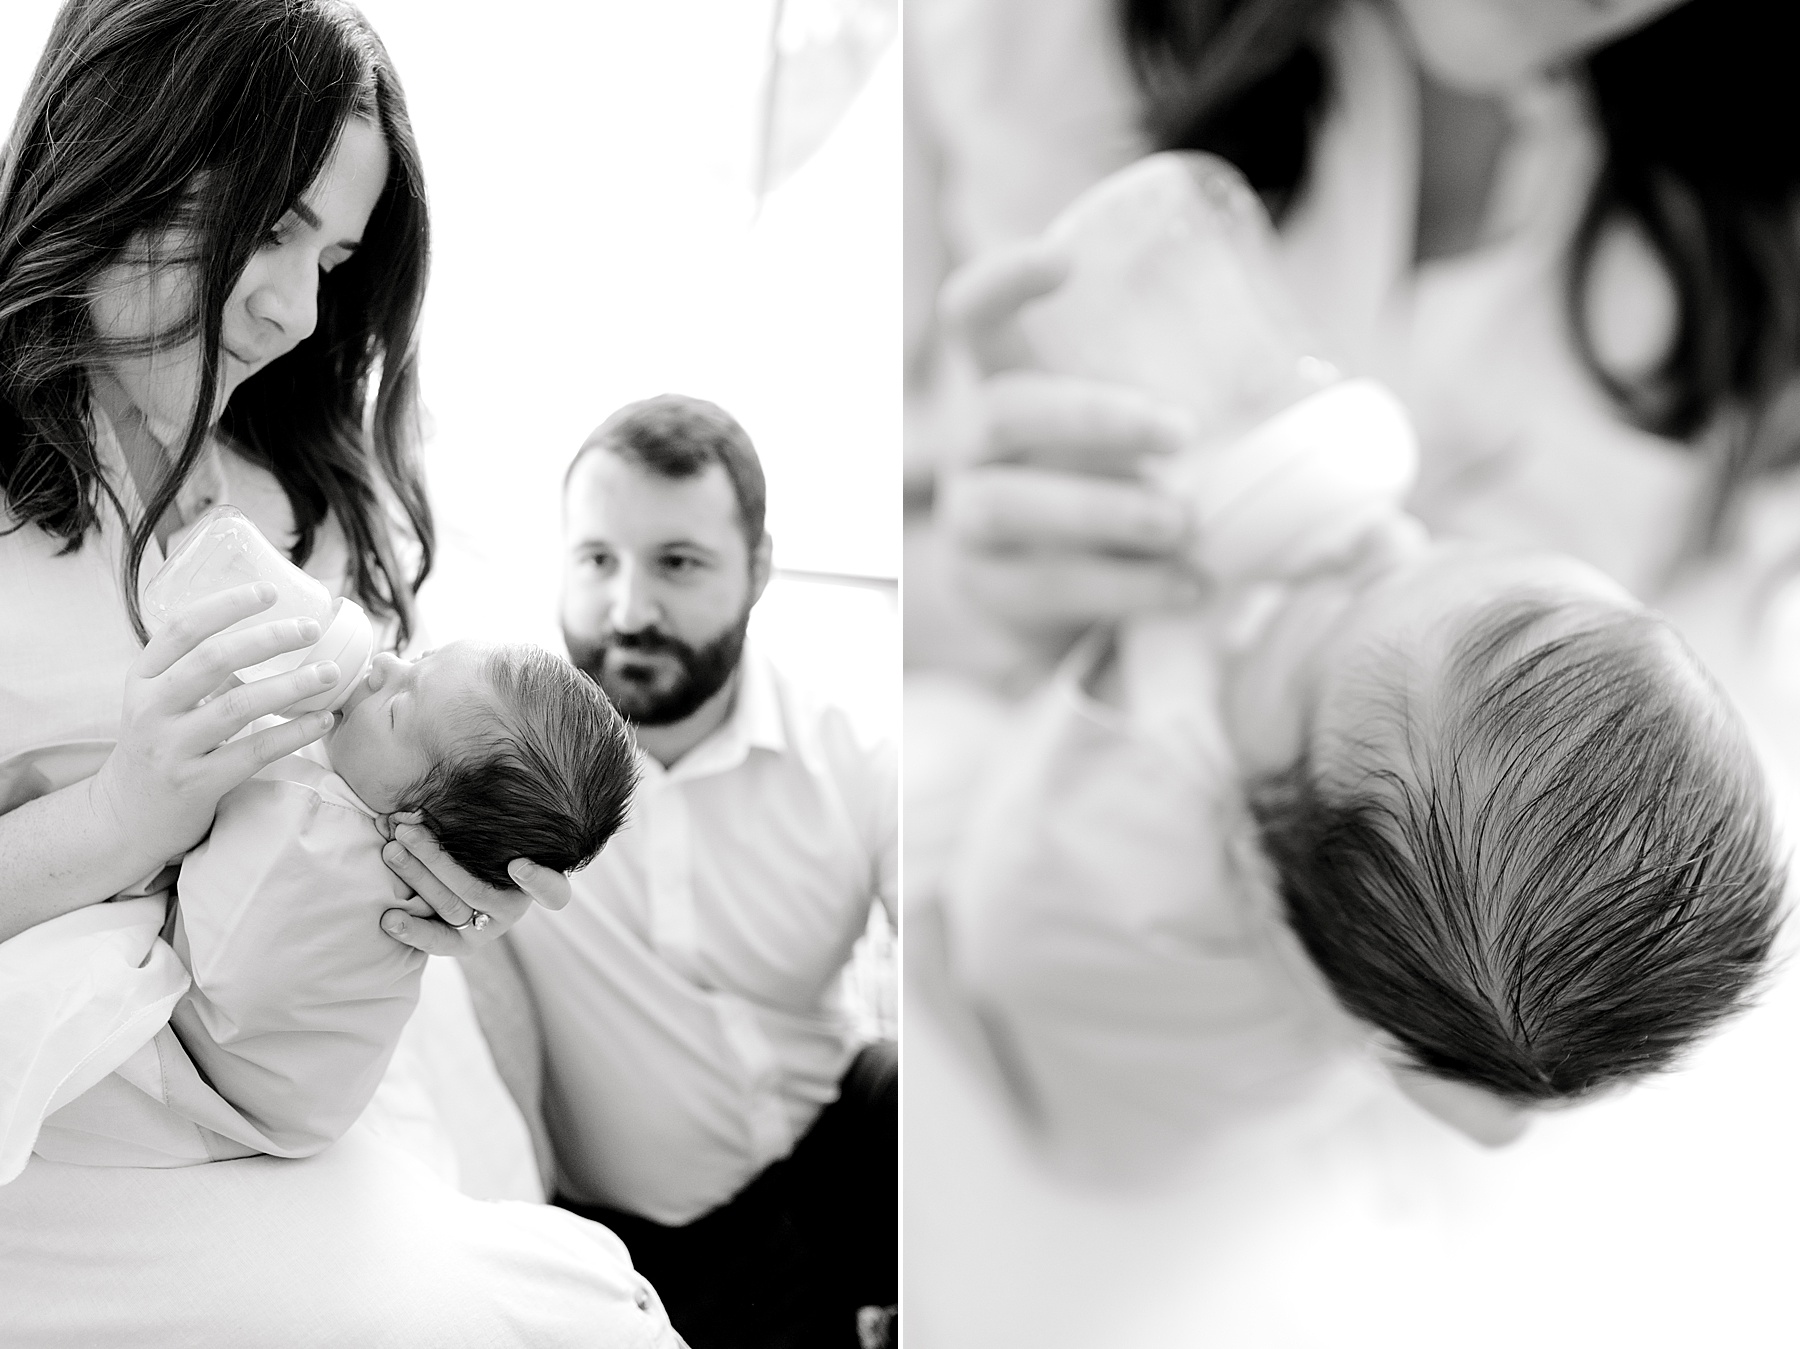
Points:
x=285, y=294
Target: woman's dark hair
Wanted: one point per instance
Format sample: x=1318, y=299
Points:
x=212, y=117
x=1694, y=109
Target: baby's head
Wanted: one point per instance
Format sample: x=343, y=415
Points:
x=506, y=751
x=1521, y=832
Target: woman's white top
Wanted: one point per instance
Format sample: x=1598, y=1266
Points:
x=96, y=999
x=381, y=1238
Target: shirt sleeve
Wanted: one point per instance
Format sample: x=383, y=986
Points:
x=1105, y=920
x=298, y=997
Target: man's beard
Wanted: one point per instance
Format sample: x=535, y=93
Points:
x=703, y=670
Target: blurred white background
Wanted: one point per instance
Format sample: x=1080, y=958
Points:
x=598, y=238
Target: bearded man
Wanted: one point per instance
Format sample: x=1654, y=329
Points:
x=705, y=1090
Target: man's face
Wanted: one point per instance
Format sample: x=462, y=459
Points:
x=657, y=585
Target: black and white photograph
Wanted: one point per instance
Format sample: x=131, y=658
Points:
x=1352, y=691
x=843, y=674
x=449, y=673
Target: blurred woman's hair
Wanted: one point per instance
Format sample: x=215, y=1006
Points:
x=205, y=121
x=1694, y=109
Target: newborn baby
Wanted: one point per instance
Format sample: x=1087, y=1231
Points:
x=1475, y=812
x=298, y=997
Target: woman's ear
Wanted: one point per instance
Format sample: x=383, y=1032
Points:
x=1493, y=1121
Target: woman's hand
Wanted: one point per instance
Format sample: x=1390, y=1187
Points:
x=438, y=920
x=1052, y=522
x=175, y=756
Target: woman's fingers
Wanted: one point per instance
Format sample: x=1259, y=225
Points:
x=210, y=665
x=1059, y=551
x=980, y=302
x=198, y=621
x=430, y=935
x=454, y=896
x=415, y=857
x=232, y=763
x=546, y=887
x=1068, y=592
x=436, y=937
x=1085, y=426
x=1009, y=508
x=236, y=708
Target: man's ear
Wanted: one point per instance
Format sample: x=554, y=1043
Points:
x=760, y=565
x=1493, y=1121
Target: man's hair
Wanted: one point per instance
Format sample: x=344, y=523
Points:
x=552, y=782
x=674, y=436
x=1572, y=879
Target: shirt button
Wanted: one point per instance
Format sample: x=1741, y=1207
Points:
x=642, y=1299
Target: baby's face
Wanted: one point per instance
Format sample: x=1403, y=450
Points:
x=1335, y=668
x=402, y=717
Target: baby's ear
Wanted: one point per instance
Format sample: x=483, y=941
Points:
x=1493, y=1121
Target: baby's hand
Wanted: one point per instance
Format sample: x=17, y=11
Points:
x=450, y=912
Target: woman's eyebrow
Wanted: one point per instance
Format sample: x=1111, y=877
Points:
x=310, y=219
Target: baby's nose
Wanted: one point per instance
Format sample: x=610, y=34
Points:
x=385, y=667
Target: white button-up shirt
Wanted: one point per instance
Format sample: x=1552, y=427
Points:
x=692, y=995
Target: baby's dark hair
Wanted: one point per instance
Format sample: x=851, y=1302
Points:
x=551, y=783
x=1572, y=879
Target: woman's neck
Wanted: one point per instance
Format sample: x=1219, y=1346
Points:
x=1461, y=139
x=146, y=457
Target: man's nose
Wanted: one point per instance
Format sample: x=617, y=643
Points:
x=633, y=604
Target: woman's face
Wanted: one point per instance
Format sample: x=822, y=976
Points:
x=272, y=308
x=1488, y=46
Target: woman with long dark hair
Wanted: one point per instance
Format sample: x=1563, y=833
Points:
x=1620, y=160
x=213, y=252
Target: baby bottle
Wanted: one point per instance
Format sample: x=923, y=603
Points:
x=224, y=550
x=1173, y=289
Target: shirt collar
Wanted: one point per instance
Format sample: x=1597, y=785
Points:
x=755, y=722
x=759, y=704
